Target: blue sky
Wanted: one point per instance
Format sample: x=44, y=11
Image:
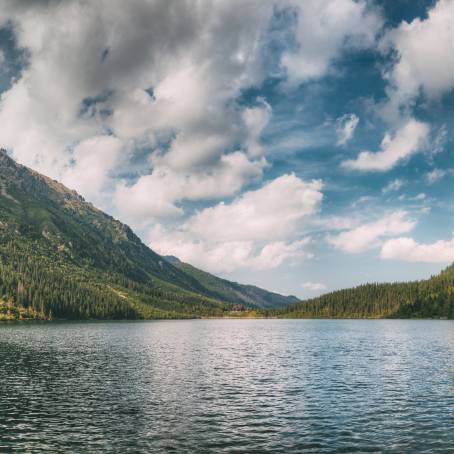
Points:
x=299, y=146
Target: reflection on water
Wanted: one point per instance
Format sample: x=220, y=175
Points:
x=228, y=386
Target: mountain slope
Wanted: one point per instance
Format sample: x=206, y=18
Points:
x=62, y=257
x=247, y=295
x=429, y=298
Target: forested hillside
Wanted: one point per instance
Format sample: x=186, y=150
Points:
x=60, y=257
x=245, y=295
x=431, y=298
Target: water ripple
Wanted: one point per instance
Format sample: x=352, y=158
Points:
x=236, y=386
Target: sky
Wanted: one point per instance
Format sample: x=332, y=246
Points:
x=302, y=146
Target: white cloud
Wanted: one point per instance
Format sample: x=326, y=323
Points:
x=256, y=119
x=94, y=159
x=274, y=254
x=226, y=257
x=424, y=55
x=409, y=139
x=416, y=198
x=2, y=58
x=407, y=249
x=331, y=223
x=157, y=195
x=324, y=29
x=394, y=185
x=345, y=129
x=146, y=74
x=259, y=230
x=272, y=212
x=49, y=135
x=439, y=140
x=313, y=286
x=437, y=174
x=370, y=235
x=362, y=200
x=190, y=151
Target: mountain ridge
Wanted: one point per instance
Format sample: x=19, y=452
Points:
x=54, y=242
x=240, y=293
x=61, y=257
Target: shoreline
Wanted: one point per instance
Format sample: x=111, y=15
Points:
x=56, y=321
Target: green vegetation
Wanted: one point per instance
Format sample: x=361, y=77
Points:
x=10, y=311
x=61, y=258
x=233, y=292
x=431, y=298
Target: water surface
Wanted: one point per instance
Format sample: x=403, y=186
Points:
x=252, y=386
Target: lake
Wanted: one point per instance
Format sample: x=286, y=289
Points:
x=250, y=386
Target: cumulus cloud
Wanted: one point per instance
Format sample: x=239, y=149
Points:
x=158, y=194
x=408, y=139
x=424, y=55
x=324, y=30
x=140, y=107
x=371, y=235
x=260, y=229
x=345, y=129
x=93, y=160
x=272, y=212
x=226, y=257
x=407, y=249
x=153, y=75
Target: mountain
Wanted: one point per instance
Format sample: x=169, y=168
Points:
x=247, y=295
x=61, y=257
x=429, y=298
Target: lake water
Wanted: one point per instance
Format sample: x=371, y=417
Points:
x=251, y=386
